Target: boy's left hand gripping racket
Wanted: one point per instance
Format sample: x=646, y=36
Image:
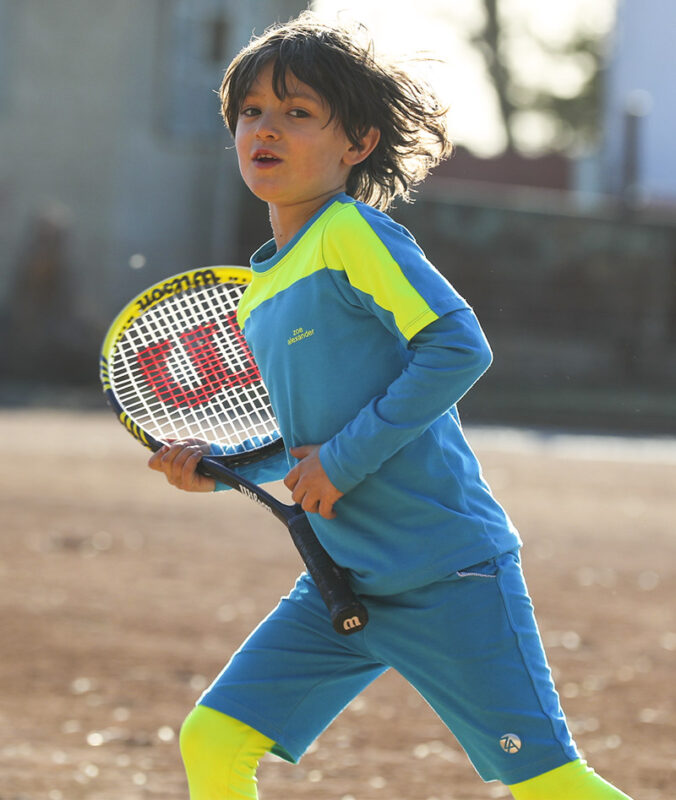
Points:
x=175, y=365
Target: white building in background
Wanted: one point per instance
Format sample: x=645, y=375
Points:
x=109, y=125
x=641, y=103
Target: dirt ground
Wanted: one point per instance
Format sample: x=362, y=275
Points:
x=121, y=598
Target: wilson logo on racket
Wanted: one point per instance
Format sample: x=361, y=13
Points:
x=181, y=283
x=252, y=496
x=200, y=348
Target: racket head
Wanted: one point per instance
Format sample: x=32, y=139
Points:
x=175, y=365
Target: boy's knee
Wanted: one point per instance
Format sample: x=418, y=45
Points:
x=207, y=733
x=194, y=736
x=220, y=755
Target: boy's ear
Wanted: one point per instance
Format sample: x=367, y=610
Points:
x=358, y=153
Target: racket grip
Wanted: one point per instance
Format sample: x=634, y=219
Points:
x=348, y=614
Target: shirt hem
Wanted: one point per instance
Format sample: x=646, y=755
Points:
x=379, y=587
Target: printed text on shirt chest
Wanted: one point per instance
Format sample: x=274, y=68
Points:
x=299, y=334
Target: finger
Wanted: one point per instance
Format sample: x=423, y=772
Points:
x=166, y=458
x=298, y=494
x=302, y=451
x=189, y=475
x=309, y=505
x=291, y=478
x=170, y=451
x=176, y=462
x=188, y=459
x=326, y=509
x=154, y=462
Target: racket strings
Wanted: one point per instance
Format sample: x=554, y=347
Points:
x=183, y=370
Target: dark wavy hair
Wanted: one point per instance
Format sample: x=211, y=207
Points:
x=361, y=92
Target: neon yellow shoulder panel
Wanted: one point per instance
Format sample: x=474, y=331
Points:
x=302, y=260
x=351, y=244
x=344, y=240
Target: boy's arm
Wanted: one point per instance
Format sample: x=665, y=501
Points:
x=449, y=356
x=178, y=461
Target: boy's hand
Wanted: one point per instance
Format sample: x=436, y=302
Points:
x=178, y=461
x=309, y=484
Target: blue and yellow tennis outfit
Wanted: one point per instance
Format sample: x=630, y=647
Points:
x=367, y=349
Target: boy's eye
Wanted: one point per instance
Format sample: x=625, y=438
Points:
x=299, y=113
x=249, y=111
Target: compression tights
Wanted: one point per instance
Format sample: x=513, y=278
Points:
x=221, y=756
x=572, y=780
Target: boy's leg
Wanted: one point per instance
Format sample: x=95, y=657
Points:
x=293, y=674
x=221, y=755
x=575, y=779
x=471, y=647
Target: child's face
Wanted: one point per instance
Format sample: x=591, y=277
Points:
x=289, y=153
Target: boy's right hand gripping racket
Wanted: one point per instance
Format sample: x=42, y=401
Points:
x=175, y=366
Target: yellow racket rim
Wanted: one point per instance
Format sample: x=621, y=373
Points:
x=150, y=297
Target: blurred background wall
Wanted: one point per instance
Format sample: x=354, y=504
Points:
x=639, y=113
x=115, y=169
x=556, y=217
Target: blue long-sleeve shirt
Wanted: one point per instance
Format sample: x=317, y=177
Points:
x=366, y=349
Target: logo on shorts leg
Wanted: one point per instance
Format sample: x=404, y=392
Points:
x=510, y=743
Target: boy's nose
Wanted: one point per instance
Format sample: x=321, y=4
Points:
x=266, y=128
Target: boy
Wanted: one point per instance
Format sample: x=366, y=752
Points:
x=365, y=350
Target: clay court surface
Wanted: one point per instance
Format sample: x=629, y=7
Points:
x=121, y=598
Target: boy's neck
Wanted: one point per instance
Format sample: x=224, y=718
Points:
x=287, y=220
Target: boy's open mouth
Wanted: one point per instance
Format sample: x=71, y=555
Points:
x=265, y=157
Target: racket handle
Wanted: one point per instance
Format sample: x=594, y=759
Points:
x=348, y=615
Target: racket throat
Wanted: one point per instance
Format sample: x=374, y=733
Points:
x=256, y=499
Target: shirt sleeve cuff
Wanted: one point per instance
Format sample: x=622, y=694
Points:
x=338, y=478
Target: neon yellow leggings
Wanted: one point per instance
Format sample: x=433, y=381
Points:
x=572, y=781
x=221, y=756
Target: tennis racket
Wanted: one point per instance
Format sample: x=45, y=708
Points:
x=175, y=365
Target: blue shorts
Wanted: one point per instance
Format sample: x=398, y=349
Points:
x=469, y=644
